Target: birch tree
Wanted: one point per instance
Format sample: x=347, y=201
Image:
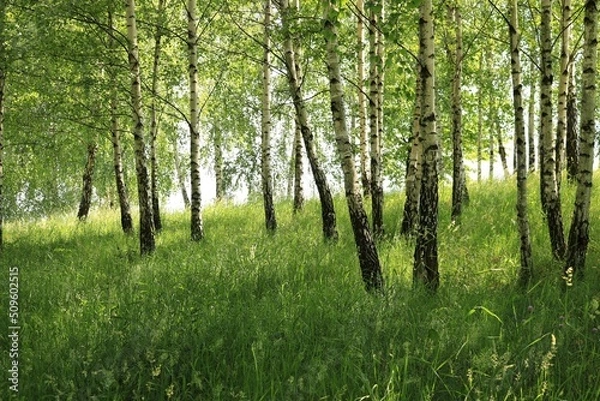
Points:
x=197, y=229
x=365, y=172
x=375, y=11
x=158, y=35
x=294, y=75
x=410, y=214
x=425, y=269
x=549, y=186
x=580, y=224
x=88, y=176
x=572, y=148
x=526, y=270
x=147, y=241
x=563, y=82
x=367, y=251
x=267, y=186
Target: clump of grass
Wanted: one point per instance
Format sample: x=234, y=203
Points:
x=248, y=315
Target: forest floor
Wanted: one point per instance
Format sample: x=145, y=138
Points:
x=245, y=315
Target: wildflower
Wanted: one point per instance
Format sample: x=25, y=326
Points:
x=156, y=371
x=568, y=277
x=170, y=391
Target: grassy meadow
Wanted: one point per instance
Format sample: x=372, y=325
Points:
x=245, y=315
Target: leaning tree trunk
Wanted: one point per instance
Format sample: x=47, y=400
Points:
x=375, y=109
x=154, y=120
x=197, y=230
x=563, y=82
x=526, y=270
x=367, y=251
x=425, y=269
x=365, y=172
x=124, y=207
x=88, y=177
x=294, y=73
x=267, y=184
x=549, y=185
x=572, y=150
x=410, y=214
x=457, y=153
x=147, y=241
x=180, y=174
x=298, y=169
x=501, y=149
x=579, y=232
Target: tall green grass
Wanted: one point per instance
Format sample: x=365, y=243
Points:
x=246, y=315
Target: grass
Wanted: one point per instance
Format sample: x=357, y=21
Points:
x=245, y=315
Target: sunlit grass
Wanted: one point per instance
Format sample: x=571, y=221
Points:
x=247, y=315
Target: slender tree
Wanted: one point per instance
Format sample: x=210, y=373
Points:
x=181, y=174
x=267, y=185
x=580, y=224
x=456, y=56
x=367, y=251
x=365, y=172
x=197, y=229
x=531, y=124
x=480, y=119
x=375, y=11
x=147, y=241
x=410, y=214
x=218, y=166
x=572, y=148
x=425, y=269
x=549, y=186
x=158, y=34
x=88, y=176
x=115, y=133
x=298, y=168
x=526, y=270
x=294, y=76
x=563, y=82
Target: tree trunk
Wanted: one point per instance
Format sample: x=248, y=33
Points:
x=526, y=269
x=572, y=150
x=501, y=149
x=531, y=123
x=365, y=172
x=88, y=176
x=375, y=109
x=124, y=207
x=294, y=74
x=180, y=174
x=298, y=169
x=410, y=215
x=147, y=241
x=367, y=251
x=579, y=232
x=267, y=185
x=197, y=230
x=219, y=183
x=549, y=185
x=457, y=155
x=425, y=269
x=154, y=121
x=563, y=82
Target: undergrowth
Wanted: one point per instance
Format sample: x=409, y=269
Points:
x=248, y=315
